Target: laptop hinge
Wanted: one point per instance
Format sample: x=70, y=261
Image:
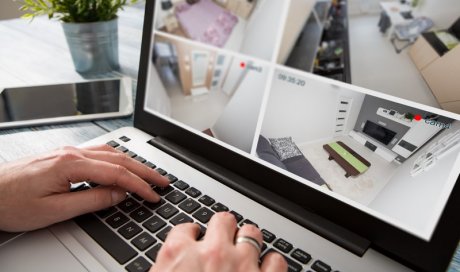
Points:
x=319, y=225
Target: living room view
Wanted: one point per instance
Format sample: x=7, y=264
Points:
x=407, y=49
x=206, y=89
x=373, y=151
x=245, y=26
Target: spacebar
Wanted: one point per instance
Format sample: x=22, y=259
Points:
x=106, y=238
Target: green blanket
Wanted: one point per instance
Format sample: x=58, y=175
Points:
x=356, y=163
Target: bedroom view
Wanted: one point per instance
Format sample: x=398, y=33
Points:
x=206, y=89
x=370, y=150
x=245, y=26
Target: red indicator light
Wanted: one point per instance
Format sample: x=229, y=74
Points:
x=242, y=64
x=418, y=117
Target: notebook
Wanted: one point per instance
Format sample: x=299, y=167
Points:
x=337, y=177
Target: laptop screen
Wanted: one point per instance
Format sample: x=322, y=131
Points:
x=293, y=86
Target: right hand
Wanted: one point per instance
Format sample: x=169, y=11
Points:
x=217, y=251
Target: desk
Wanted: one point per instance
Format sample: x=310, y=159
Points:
x=393, y=11
x=37, y=53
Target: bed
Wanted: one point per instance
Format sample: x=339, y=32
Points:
x=205, y=21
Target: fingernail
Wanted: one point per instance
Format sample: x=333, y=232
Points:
x=117, y=196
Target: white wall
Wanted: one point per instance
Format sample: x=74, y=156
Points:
x=412, y=199
x=157, y=98
x=234, y=76
x=442, y=12
x=236, y=126
x=262, y=29
x=306, y=113
x=360, y=7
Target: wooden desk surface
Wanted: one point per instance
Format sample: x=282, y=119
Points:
x=36, y=53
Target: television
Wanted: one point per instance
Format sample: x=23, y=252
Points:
x=378, y=132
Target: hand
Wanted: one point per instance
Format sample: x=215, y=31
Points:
x=217, y=251
x=34, y=192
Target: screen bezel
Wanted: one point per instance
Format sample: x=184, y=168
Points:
x=125, y=106
x=397, y=244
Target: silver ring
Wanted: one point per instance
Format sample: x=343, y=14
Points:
x=247, y=239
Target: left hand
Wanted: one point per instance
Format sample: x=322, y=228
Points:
x=34, y=192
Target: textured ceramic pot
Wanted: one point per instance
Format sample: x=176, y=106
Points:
x=93, y=46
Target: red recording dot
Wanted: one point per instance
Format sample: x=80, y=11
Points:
x=418, y=117
x=242, y=64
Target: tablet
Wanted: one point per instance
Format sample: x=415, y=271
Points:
x=68, y=102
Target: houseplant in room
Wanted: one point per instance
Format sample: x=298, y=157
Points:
x=90, y=27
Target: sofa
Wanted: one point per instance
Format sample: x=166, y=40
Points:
x=296, y=164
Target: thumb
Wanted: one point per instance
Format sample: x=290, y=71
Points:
x=69, y=205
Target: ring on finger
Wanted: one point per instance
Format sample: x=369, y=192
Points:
x=250, y=240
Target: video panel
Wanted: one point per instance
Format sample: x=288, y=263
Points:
x=387, y=150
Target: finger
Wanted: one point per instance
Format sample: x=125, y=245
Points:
x=221, y=229
x=247, y=249
x=77, y=203
x=134, y=166
x=106, y=173
x=274, y=262
x=183, y=232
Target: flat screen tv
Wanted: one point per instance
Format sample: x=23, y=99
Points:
x=378, y=132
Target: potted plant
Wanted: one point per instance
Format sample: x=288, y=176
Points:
x=90, y=27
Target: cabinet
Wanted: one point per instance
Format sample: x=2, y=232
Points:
x=241, y=8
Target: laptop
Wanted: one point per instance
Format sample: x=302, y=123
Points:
x=337, y=177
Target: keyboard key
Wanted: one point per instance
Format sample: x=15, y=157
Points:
x=171, y=178
x=293, y=266
x=117, y=220
x=128, y=205
x=141, y=214
x=154, y=205
x=301, y=256
x=181, y=185
x=247, y=221
x=167, y=211
x=136, y=196
x=264, y=247
x=139, y=265
x=268, y=236
x=143, y=241
x=238, y=216
x=106, y=212
x=113, y=144
x=140, y=159
x=150, y=165
x=181, y=219
x=163, y=233
x=130, y=230
x=202, y=231
x=122, y=149
x=283, y=245
x=219, y=207
x=152, y=253
x=189, y=205
x=203, y=215
x=103, y=235
x=131, y=154
x=320, y=266
x=162, y=191
x=161, y=171
x=79, y=188
x=93, y=184
x=154, y=224
x=193, y=192
x=207, y=200
x=124, y=139
x=175, y=197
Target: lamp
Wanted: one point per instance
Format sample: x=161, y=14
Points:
x=166, y=4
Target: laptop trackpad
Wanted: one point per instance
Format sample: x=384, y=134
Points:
x=37, y=251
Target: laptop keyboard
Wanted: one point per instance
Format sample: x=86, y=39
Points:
x=133, y=231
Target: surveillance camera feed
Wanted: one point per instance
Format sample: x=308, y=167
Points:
x=337, y=96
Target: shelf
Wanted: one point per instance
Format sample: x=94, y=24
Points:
x=304, y=52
